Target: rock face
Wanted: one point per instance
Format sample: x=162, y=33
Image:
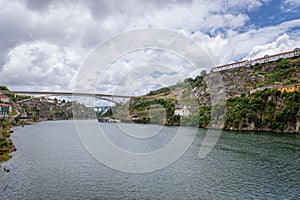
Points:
x=240, y=80
x=249, y=82
x=233, y=83
x=215, y=89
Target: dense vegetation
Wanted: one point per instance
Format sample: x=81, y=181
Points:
x=158, y=111
x=268, y=109
x=158, y=106
x=284, y=71
x=159, y=91
x=6, y=144
x=56, y=111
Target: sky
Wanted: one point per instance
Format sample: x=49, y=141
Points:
x=45, y=44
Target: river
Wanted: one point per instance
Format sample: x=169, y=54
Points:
x=52, y=163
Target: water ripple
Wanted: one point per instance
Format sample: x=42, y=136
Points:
x=51, y=163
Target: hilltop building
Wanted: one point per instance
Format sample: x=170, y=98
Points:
x=265, y=59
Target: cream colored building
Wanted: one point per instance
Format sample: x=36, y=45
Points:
x=289, y=88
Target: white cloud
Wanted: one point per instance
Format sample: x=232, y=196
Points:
x=234, y=46
x=39, y=64
x=295, y=3
x=281, y=44
x=43, y=44
x=245, y=4
x=290, y=6
x=134, y=72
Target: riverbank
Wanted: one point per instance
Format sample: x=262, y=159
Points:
x=246, y=130
x=6, y=143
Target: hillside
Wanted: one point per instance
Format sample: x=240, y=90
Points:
x=49, y=109
x=253, y=99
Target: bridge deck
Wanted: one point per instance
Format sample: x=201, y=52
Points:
x=67, y=94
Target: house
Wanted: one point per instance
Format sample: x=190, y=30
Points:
x=5, y=109
x=4, y=98
x=42, y=99
x=51, y=100
x=181, y=110
x=289, y=88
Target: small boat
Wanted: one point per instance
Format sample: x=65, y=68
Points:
x=6, y=169
x=108, y=120
x=103, y=120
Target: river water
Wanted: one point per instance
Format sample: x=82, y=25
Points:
x=52, y=163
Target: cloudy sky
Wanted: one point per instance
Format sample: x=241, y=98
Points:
x=45, y=44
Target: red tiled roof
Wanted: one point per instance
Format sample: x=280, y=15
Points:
x=2, y=104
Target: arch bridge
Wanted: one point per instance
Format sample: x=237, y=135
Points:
x=105, y=97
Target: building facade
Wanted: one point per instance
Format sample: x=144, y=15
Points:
x=181, y=110
x=289, y=88
x=5, y=109
x=4, y=98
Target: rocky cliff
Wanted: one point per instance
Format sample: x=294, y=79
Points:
x=246, y=98
x=253, y=99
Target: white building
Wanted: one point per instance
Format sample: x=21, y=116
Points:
x=4, y=98
x=182, y=111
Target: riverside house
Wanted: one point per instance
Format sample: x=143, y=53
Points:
x=181, y=110
x=4, y=99
x=5, y=109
